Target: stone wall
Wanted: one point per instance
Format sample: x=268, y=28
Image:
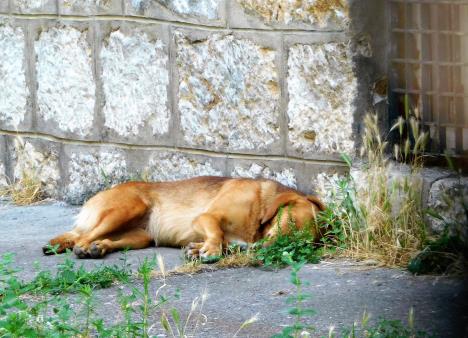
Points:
x=102, y=91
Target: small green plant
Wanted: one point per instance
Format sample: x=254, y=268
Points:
x=38, y=308
x=71, y=278
x=446, y=253
x=383, y=329
x=297, y=243
x=297, y=309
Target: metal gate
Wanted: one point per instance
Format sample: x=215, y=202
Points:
x=429, y=65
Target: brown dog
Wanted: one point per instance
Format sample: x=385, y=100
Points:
x=203, y=214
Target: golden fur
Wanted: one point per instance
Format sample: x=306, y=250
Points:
x=203, y=214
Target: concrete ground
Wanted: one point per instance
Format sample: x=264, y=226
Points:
x=342, y=290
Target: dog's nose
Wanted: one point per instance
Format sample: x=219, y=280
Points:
x=46, y=250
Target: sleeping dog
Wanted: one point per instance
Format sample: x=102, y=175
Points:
x=203, y=214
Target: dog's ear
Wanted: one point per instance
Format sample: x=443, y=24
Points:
x=285, y=198
x=317, y=201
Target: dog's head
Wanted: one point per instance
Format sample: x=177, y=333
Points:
x=297, y=208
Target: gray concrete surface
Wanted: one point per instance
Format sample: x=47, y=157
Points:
x=342, y=290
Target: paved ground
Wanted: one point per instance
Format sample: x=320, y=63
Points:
x=341, y=290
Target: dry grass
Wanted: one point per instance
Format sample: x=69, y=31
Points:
x=27, y=190
x=386, y=221
x=189, y=268
x=238, y=259
x=235, y=258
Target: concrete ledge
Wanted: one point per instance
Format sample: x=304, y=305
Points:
x=74, y=172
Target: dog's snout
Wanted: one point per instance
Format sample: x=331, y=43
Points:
x=46, y=250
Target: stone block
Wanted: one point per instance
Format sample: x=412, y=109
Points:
x=229, y=92
x=297, y=174
x=171, y=166
x=36, y=159
x=4, y=156
x=309, y=174
x=280, y=171
x=134, y=71
x=88, y=170
x=322, y=15
x=90, y=7
x=34, y=6
x=4, y=7
x=65, y=80
x=448, y=198
x=203, y=12
x=322, y=88
x=15, y=105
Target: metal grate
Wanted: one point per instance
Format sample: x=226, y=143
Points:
x=429, y=64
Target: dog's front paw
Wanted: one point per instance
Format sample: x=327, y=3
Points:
x=210, y=253
x=192, y=250
x=210, y=250
x=206, y=253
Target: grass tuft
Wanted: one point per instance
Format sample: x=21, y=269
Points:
x=25, y=191
x=238, y=258
x=372, y=217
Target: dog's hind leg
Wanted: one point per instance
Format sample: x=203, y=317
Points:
x=133, y=239
x=208, y=226
x=110, y=220
x=61, y=243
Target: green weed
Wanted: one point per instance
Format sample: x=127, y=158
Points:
x=297, y=309
x=72, y=278
x=382, y=329
x=298, y=244
x=39, y=308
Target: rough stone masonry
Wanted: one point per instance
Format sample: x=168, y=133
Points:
x=95, y=92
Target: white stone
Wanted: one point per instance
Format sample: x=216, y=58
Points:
x=286, y=176
x=30, y=4
x=175, y=166
x=135, y=80
x=228, y=93
x=202, y=8
x=327, y=187
x=94, y=171
x=66, y=91
x=33, y=163
x=3, y=177
x=317, y=13
x=322, y=88
x=448, y=197
x=13, y=90
x=199, y=8
x=87, y=5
